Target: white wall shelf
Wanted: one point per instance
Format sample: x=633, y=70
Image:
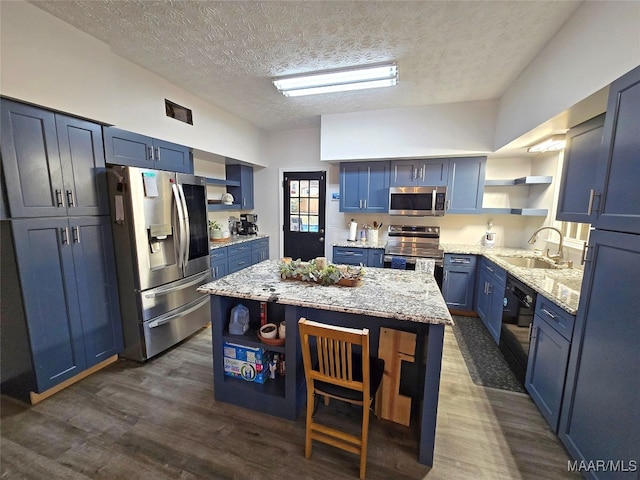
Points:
x=525, y=181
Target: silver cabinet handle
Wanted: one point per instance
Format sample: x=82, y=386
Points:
x=365, y=203
x=150, y=152
x=158, y=154
x=64, y=233
x=583, y=259
x=592, y=194
x=414, y=174
x=422, y=172
x=70, y=200
x=59, y=198
x=75, y=233
x=549, y=313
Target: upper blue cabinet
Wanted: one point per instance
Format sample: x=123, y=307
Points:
x=240, y=185
x=53, y=164
x=127, y=148
x=618, y=175
x=364, y=187
x=580, y=171
x=415, y=173
x=465, y=186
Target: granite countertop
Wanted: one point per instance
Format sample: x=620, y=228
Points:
x=400, y=294
x=359, y=244
x=235, y=239
x=560, y=285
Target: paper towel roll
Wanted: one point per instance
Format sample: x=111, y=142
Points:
x=353, y=231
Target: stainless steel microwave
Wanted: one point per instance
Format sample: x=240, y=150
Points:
x=417, y=201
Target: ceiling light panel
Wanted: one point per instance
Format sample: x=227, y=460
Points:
x=338, y=80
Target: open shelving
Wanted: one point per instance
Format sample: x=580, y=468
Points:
x=526, y=181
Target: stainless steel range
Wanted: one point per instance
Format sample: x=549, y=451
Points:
x=408, y=243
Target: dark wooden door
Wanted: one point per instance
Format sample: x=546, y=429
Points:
x=304, y=214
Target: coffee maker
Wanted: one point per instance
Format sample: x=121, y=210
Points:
x=248, y=225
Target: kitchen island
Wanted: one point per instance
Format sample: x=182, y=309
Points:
x=401, y=300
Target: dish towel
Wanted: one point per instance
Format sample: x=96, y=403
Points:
x=399, y=263
x=425, y=265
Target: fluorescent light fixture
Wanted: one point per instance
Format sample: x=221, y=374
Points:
x=359, y=78
x=551, y=144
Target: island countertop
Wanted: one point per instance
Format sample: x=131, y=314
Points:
x=388, y=293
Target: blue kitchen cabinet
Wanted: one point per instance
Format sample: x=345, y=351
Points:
x=551, y=334
x=259, y=250
x=65, y=310
x=619, y=206
x=600, y=418
x=582, y=155
x=459, y=279
x=127, y=148
x=350, y=256
x=242, y=193
x=490, y=288
x=465, y=186
x=416, y=173
x=239, y=256
x=53, y=164
x=364, y=187
x=369, y=257
x=219, y=262
x=375, y=257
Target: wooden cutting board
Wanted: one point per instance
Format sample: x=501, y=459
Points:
x=394, y=347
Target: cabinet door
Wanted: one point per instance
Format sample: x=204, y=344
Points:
x=434, y=172
x=482, y=296
x=496, y=296
x=83, y=166
x=375, y=257
x=619, y=176
x=172, y=157
x=127, y=148
x=350, y=194
x=458, y=287
x=238, y=262
x=50, y=295
x=582, y=155
x=31, y=161
x=219, y=268
x=546, y=369
x=95, y=271
x=600, y=418
x=404, y=173
x=465, y=186
x=242, y=195
x=376, y=187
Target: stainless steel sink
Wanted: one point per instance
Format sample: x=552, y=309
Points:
x=528, y=262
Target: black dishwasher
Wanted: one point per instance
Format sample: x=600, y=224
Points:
x=517, y=316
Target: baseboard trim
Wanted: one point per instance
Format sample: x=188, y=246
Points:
x=38, y=397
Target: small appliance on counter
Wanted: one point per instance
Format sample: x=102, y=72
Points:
x=489, y=237
x=248, y=225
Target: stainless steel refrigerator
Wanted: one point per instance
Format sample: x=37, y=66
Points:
x=161, y=241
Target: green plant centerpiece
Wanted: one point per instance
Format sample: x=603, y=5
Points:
x=324, y=274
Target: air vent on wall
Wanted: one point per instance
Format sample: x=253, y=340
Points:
x=178, y=112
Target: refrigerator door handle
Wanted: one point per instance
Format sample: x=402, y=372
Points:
x=166, y=290
x=168, y=317
x=179, y=209
x=187, y=226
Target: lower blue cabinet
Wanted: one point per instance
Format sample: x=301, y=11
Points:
x=548, y=358
x=60, y=300
x=369, y=257
x=219, y=262
x=490, y=288
x=226, y=260
x=259, y=250
x=459, y=279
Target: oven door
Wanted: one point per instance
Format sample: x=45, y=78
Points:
x=417, y=201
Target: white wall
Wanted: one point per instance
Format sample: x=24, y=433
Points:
x=454, y=129
x=50, y=63
x=290, y=150
x=599, y=43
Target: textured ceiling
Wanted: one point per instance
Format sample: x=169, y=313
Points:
x=227, y=52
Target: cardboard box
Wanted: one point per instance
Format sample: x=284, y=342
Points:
x=249, y=371
x=246, y=354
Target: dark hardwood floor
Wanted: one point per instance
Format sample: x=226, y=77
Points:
x=159, y=420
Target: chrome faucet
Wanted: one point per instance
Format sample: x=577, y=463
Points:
x=558, y=257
